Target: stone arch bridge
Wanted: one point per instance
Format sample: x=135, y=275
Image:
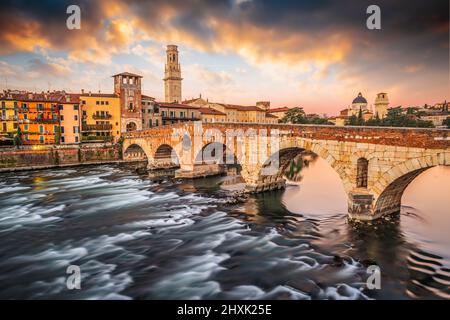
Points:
x=375, y=164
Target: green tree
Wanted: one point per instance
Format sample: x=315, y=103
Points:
x=18, y=138
x=295, y=115
x=57, y=135
x=446, y=122
x=352, y=120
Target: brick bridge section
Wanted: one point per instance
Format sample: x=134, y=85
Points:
x=376, y=164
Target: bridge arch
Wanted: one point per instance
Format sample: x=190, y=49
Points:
x=390, y=187
x=165, y=156
x=289, y=149
x=136, y=150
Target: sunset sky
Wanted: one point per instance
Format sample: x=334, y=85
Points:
x=314, y=54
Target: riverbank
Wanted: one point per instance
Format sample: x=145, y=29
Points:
x=67, y=165
x=56, y=156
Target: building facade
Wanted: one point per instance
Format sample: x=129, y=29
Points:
x=172, y=76
x=100, y=117
x=70, y=117
x=8, y=119
x=212, y=115
x=171, y=113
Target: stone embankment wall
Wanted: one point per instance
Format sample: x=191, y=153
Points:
x=58, y=155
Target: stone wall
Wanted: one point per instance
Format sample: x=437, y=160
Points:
x=36, y=156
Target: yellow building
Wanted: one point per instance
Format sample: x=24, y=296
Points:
x=100, y=117
x=212, y=115
x=8, y=118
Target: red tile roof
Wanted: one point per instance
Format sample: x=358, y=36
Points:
x=211, y=111
x=241, y=108
x=127, y=74
x=281, y=109
x=100, y=95
x=268, y=115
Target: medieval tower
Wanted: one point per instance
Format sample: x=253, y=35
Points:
x=381, y=105
x=128, y=87
x=172, y=76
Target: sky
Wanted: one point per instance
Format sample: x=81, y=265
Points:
x=312, y=54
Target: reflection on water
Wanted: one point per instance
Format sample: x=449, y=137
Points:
x=414, y=247
x=134, y=238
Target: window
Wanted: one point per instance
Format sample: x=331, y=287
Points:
x=40, y=107
x=61, y=107
x=150, y=123
x=76, y=129
x=97, y=102
x=83, y=101
x=362, y=173
x=62, y=139
x=182, y=114
x=24, y=106
x=15, y=126
x=3, y=105
x=62, y=129
x=156, y=122
x=102, y=103
x=61, y=117
x=41, y=129
x=4, y=127
x=76, y=139
x=107, y=102
x=131, y=106
x=76, y=107
x=25, y=116
x=75, y=117
x=172, y=114
x=164, y=113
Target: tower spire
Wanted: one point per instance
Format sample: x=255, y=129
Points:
x=172, y=75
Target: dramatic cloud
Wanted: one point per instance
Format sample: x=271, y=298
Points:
x=303, y=49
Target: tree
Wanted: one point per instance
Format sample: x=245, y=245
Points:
x=295, y=115
x=352, y=120
x=57, y=135
x=18, y=138
x=446, y=122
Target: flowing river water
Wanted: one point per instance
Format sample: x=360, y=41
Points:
x=137, y=239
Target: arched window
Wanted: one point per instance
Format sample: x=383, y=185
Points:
x=362, y=172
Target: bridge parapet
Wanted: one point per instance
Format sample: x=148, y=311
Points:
x=429, y=138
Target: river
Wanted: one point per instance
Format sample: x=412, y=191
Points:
x=137, y=239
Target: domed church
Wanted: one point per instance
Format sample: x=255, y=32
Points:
x=359, y=103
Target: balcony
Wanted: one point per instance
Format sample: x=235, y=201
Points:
x=96, y=116
x=96, y=138
x=96, y=127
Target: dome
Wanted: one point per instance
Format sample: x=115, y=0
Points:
x=359, y=99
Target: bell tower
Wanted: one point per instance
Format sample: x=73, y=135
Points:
x=172, y=76
x=381, y=104
x=127, y=86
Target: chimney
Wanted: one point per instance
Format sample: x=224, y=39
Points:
x=30, y=96
x=90, y=93
x=82, y=91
